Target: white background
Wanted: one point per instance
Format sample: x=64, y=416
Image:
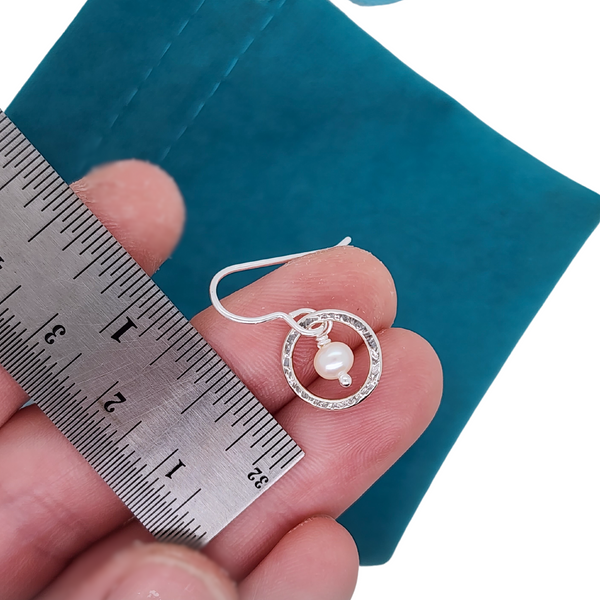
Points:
x=513, y=512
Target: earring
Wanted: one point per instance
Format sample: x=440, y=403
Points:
x=333, y=360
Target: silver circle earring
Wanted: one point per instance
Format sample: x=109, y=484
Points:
x=333, y=360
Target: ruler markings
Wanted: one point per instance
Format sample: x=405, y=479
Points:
x=33, y=369
x=18, y=164
x=137, y=292
x=52, y=179
x=127, y=476
x=161, y=513
x=274, y=436
x=39, y=371
x=156, y=503
x=133, y=500
x=103, y=262
x=45, y=227
x=46, y=323
x=244, y=415
x=282, y=457
x=9, y=152
x=15, y=136
x=118, y=472
x=60, y=214
x=64, y=369
x=59, y=187
x=12, y=339
x=192, y=356
x=10, y=294
x=67, y=418
x=23, y=355
x=101, y=238
x=102, y=455
x=91, y=428
x=196, y=342
x=120, y=256
x=222, y=366
x=73, y=385
x=287, y=443
x=132, y=265
x=233, y=390
x=227, y=379
x=40, y=163
x=52, y=176
x=57, y=397
x=87, y=438
x=173, y=519
x=183, y=320
x=156, y=293
x=84, y=213
x=273, y=425
x=164, y=513
x=292, y=458
x=232, y=406
x=30, y=365
x=126, y=309
x=23, y=141
x=9, y=181
x=20, y=158
x=141, y=277
x=21, y=368
x=162, y=462
x=270, y=447
x=71, y=223
x=114, y=457
x=174, y=319
x=49, y=387
x=156, y=320
x=265, y=414
x=246, y=432
x=241, y=389
x=141, y=485
x=110, y=247
x=102, y=444
x=153, y=315
x=118, y=464
x=241, y=408
x=27, y=175
x=127, y=262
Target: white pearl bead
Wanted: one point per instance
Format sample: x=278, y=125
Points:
x=333, y=361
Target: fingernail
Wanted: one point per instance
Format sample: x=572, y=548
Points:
x=166, y=578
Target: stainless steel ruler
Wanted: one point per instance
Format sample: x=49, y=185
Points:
x=118, y=369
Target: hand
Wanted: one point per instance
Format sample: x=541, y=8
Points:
x=66, y=536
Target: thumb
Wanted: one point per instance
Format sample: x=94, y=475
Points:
x=164, y=572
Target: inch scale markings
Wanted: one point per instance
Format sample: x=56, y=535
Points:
x=118, y=369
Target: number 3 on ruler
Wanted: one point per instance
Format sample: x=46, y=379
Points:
x=56, y=331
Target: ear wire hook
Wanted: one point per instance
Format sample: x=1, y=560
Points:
x=288, y=318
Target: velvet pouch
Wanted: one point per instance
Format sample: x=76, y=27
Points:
x=287, y=128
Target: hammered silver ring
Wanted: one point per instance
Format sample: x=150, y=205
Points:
x=369, y=338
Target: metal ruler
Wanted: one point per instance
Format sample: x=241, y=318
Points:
x=118, y=369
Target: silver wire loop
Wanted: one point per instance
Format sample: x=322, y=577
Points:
x=289, y=318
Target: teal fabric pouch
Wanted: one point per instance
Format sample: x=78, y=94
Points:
x=287, y=128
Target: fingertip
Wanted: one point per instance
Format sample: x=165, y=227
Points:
x=317, y=559
x=140, y=204
x=169, y=572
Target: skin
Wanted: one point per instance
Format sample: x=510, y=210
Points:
x=65, y=535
